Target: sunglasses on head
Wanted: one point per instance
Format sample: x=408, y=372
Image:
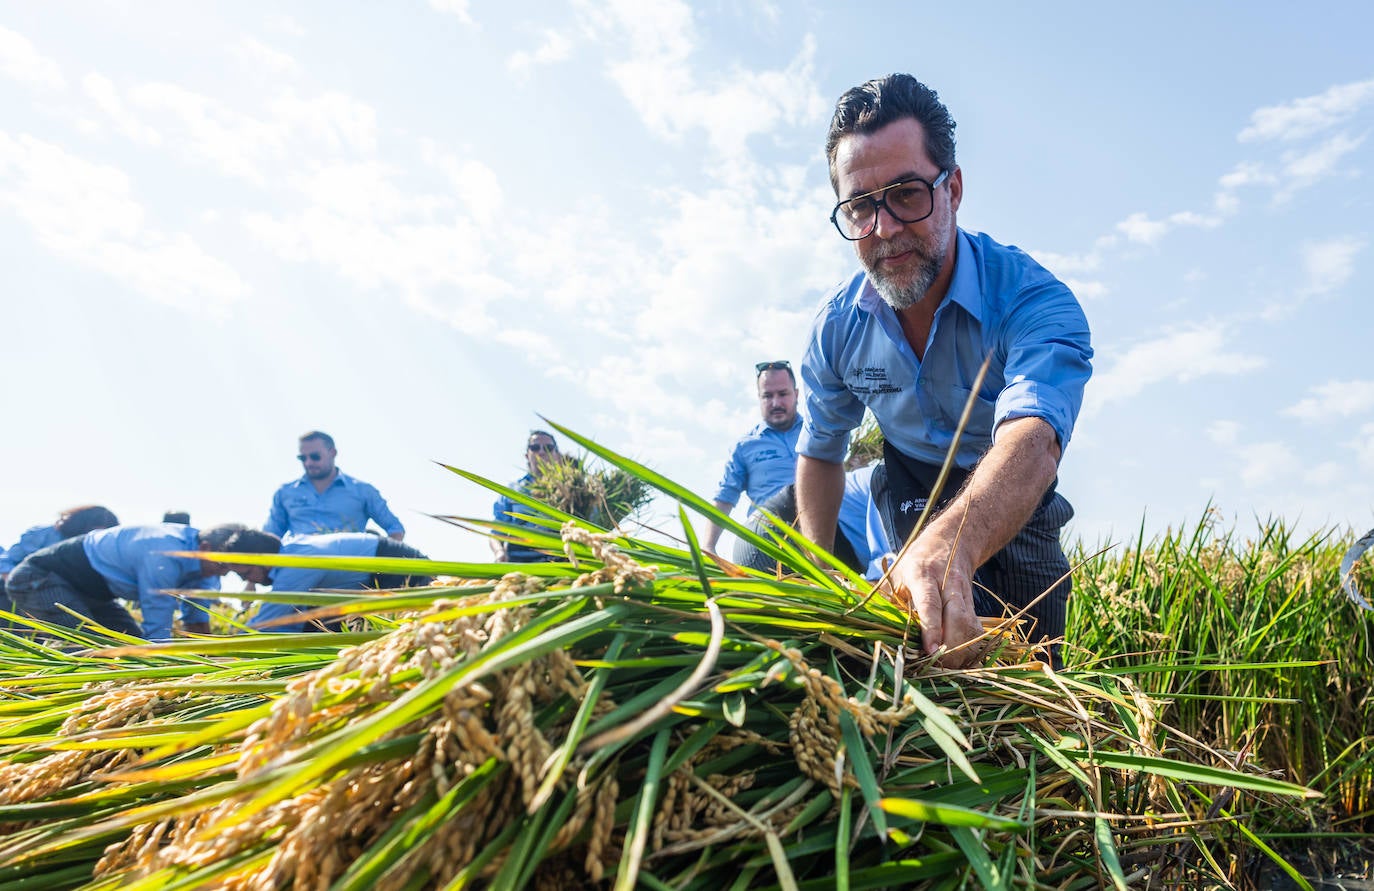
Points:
x=777, y=365
x=543, y=447
x=310, y=456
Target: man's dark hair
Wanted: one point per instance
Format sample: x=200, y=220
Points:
x=787, y=368
x=534, y=433
x=872, y=106
x=236, y=538
x=76, y=521
x=177, y=516
x=320, y=435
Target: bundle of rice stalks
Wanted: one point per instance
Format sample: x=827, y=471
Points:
x=603, y=496
x=635, y=717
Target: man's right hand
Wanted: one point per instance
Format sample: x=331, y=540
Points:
x=934, y=580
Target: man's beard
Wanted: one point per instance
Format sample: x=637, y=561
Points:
x=897, y=294
x=930, y=252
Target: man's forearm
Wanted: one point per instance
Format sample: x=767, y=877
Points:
x=820, y=489
x=712, y=532
x=1004, y=490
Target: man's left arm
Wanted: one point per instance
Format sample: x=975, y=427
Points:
x=934, y=578
x=157, y=573
x=378, y=511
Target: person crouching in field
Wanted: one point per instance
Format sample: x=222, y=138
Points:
x=276, y=617
x=90, y=573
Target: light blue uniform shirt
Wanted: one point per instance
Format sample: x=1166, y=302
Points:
x=134, y=562
x=761, y=463
x=291, y=578
x=999, y=301
x=35, y=538
x=854, y=514
x=346, y=506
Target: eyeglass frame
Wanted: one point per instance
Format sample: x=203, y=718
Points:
x=310, y=456
x=545, y=448
x=880, y=203
x=775, y=365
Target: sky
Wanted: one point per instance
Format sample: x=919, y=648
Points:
x=423, y=226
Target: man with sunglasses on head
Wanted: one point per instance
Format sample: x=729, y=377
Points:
x=764, y=460
x=541, y=450
x=325, y=499
x=906, y=337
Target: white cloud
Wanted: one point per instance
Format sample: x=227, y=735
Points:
x=102, y=91
x=659, y=38
x=456, y=8
x=1086, y=289
x=207, y=130
x=1328, y=265
x=1308, y=115
x=1304, y=169
x=1178, y=356
x=1333, y=400
x=555, y=48
x=85, y=213
x=1265, y=462
x=1363, y=447
x=259, y=58
x=20, y=60
x=1139, y=228
x=476, y=184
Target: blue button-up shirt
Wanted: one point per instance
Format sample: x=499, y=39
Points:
x=999, y=301
x=345, y=506
x=293, y=578
x=761, y=463
x=35, y=538
x=135, y=563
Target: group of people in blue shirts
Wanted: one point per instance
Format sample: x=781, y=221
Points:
x=83, y=567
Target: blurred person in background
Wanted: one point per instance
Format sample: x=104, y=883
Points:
x=326, y=499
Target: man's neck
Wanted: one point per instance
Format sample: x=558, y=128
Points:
x=321, y=485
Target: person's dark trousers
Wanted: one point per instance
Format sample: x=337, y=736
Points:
x=783, y=505
x=60, y=576
x=390, y=547
x=1031, y=563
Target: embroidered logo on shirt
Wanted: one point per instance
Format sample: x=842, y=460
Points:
x=871, y=380
x=912, y=505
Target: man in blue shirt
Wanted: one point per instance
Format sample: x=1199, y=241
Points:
x=764, y=460
x=541, y=449
x=906, y=337
x=89, y=573
x=325, y=499
x=277, y=617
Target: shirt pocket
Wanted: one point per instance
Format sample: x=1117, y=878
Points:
x=979, y=424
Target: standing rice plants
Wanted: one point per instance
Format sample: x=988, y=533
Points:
x=1248, y=644
x=636, y=716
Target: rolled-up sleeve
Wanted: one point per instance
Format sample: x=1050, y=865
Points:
x=1049, y=360
x=377, y=509
x=732, y=480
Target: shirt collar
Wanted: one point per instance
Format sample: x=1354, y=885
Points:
x=963, y=286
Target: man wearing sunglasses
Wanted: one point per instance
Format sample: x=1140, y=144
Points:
x=764, y=460
x=325, y=499
x=906, y=338
x=541, y=450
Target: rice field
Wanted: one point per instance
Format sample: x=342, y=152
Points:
x=640, y=716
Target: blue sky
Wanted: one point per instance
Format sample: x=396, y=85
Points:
x=419, y=226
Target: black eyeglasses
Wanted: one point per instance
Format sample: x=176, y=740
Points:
x=909, y=201
x=543, y=447
x=778, y=365
x=311, y=456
